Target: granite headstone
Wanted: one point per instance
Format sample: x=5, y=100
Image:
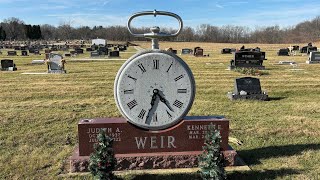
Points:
x=247, y=88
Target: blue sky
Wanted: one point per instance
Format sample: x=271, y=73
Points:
x=252, y=13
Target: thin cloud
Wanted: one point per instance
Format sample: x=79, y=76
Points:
x=219, y=6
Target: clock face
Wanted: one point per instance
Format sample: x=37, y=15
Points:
x=154, y=89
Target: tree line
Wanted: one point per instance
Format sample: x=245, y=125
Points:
x=307, y=31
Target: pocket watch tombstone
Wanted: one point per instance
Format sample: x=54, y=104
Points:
x=154, y=89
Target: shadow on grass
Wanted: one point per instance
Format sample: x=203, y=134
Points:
x=182, y=176
x=253, y=156
x=275, y=98
x=266, y=174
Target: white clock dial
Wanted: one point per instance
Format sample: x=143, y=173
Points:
x=154, y=89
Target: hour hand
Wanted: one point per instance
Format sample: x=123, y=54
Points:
x=154, y=97
x=162, y=99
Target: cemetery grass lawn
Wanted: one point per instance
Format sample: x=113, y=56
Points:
x=39, y=113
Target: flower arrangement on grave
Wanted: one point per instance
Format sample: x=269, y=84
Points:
x=211, y=160
x=62, y=62
x=102, y=161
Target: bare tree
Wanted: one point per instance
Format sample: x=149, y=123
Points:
x=14, y=28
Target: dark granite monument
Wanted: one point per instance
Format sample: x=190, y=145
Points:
x=226, y=51
x=247, y=88
x=103, y=50
x=283, y=52
x=248, y=59
x=89, y=49
x=114, y=54
x=12, y=53
x=24, y=53
x=295, y=48
x=312, y=49
x=8, y=65
x=79, y=51
x=94, y=54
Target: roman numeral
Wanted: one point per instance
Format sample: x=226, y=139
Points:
x=155, y=118
x=155, y=64
x=142, y=68
x=132, y=78
x=182, y=91
x=169, y=67
x=179, y=77
x=130, y=91
x=132, y=104
x=142, y=113
x=169, y=115
x=178, y=104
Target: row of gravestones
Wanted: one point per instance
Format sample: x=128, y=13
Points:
x=197, y=51
x=23, y=53
x=306, y=49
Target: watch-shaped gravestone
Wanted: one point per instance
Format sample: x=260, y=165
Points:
x=154, y=89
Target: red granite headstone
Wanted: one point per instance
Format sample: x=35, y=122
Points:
x=188, y=135
x=135, y=148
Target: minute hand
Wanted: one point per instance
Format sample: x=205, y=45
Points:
x=165, y=102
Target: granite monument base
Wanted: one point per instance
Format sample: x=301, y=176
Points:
x=262, y=97
x=57, y=71
x=142, y=161
x=231, y=67
x=312, y=62
x=135, y=148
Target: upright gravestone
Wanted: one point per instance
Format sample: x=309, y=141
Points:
x=89, y=49
x=79, y=51
x=12, y=53
x=295, y=48
x=122, y=47
x=103, y=50
x=36, y=52
x=248, y=59
x=94, y=54
x=247, y=88
x=31, y=50
x=283, y=52
x=186, y=51
x=55, y=64
x=8, y=65
x=24, y=53
x=114, y=54
x=226, y=51
x=314, y=57
x=304, y=49
x=198, y=51
x=312, y=49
